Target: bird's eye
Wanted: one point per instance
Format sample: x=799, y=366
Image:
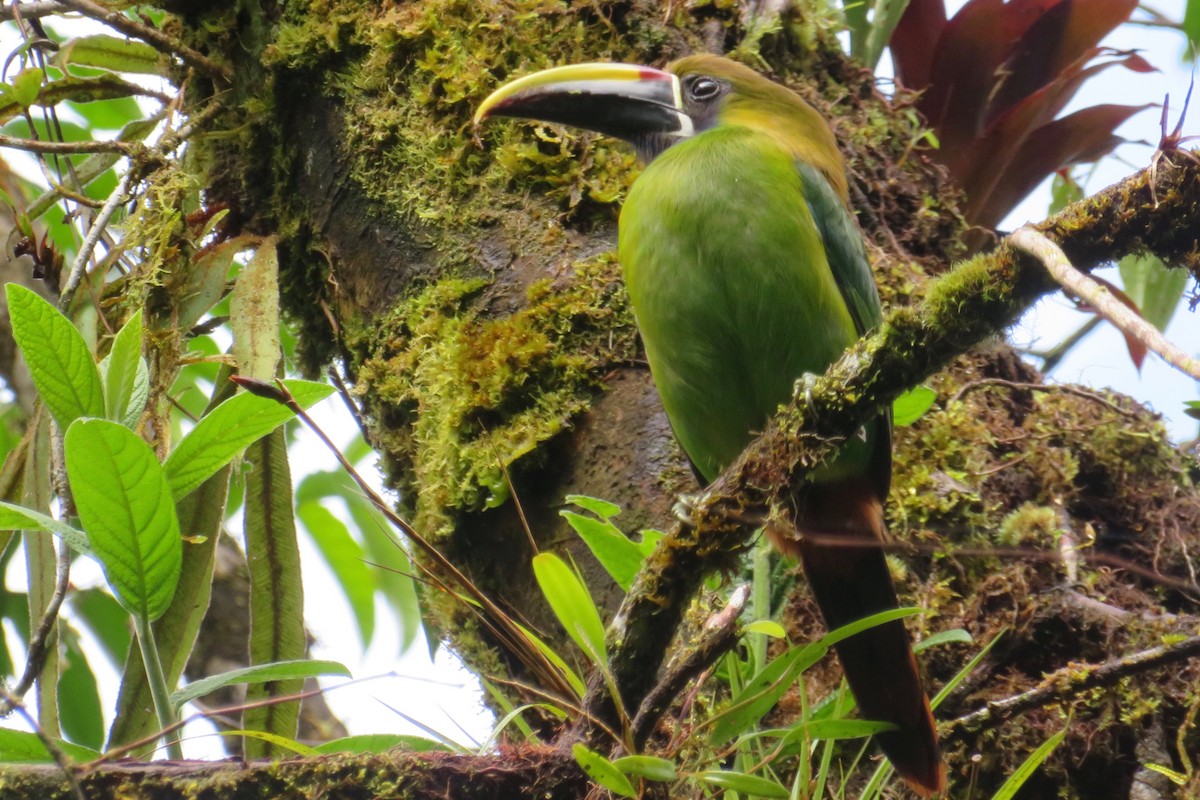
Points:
x=704, y=88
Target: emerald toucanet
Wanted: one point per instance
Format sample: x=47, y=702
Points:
x=746, y=270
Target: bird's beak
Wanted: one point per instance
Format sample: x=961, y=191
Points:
x=623, y=100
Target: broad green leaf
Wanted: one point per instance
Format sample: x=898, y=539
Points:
x=347, y=561
x=743, y=783
x=254, y=314
x=1023, y=773
x=125, y=505
x=1192, y=408
x=230, y=428
x=112, y=114
x=912, y=405
x=601, y=508
x=23, y=747
x=114, y=53
x=571, y=603
x=651, y=768
x=620, y=557
x=120, y=369
x=59, y=361
x=276, y=592
x=283, y=670
x=201, y=517
x=1155, y=289
x=602, y=771
x=80, y=91
x=381, y=743
x=14, y=517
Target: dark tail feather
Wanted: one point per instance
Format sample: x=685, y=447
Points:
x=849, y=583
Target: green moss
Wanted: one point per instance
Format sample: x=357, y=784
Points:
x=1030, y=524
x=481, y=393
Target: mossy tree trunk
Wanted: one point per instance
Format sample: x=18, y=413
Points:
x=465, y=284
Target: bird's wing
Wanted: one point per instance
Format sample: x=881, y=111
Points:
x=852, y=272
x=843, y=248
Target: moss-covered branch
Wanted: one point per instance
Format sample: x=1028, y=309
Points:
x=540, y=773
x=976, y=301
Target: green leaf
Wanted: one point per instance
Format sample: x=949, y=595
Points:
x=201, y=287
x=121, y=369
x=1010, y=787
x=347, y=560
x=62, y=367
x=1191, y=25
x=601, y=508
x=762, y=692
x=576, y=683
x=1177, y=778
x=743, y=783
x=125, y=505
x=261, y=740
x=954, y=635
x=571, y=603
x=23, y=747
x=381, y=743
x=845, y=728
x=276, y=592
x=1192, y=408
x=1153, y=287
x=14, y=517
x=254, y=314
x=26, y=86
x=912, y=405
x=114, y=53
x=602, y=771
x=282, y=670
x=620, y=557
x=230, y=428
x=651, y=768
x=767, y=627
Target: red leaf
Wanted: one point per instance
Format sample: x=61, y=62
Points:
x=914, y=39
x=1137, y=350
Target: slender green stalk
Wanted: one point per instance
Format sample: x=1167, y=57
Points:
x=760, y=600
x=158, y=681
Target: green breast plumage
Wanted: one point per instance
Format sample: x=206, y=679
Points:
x=734, y=295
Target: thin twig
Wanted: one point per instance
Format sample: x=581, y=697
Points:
x=44, y=8
x=64, y=763
x=79, y=265
x=69, y=148
x=1071, y=681
x=1043, y=387
x=1036, y=244
x=151, y=36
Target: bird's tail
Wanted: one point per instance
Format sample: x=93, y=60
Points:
x=851, y=581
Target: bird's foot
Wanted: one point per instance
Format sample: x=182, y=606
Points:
x=804, y=385
x=685, y=507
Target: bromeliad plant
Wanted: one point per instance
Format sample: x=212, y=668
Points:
x=993, y=80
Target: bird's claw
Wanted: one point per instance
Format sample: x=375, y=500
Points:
x=805, y=385
x=685, y=507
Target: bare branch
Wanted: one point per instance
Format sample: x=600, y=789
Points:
x=1100, y=298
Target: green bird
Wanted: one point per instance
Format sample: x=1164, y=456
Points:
x=746, y=271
